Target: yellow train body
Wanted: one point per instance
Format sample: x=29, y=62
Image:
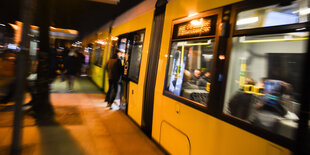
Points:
x=179, y=128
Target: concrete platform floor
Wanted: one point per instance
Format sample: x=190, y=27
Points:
x=84, y=126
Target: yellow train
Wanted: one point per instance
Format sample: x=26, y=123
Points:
x=213, y=77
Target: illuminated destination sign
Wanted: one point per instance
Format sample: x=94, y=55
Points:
x=195, y=28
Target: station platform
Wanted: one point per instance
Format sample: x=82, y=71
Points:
x=84, y=126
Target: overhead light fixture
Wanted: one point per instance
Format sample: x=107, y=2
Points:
x=247, y=21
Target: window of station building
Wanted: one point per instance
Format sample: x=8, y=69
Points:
x=263, y=84
x=279, y=14
x=189, y=69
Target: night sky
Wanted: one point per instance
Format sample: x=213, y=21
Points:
x=82, y=15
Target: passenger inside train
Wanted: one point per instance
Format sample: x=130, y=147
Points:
x=194, y=77
x=277, y=66
x=187, y=62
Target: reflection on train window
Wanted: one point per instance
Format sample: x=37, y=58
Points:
x=98, y=55
x=263, y=84
x=275, y=15
x=135, y=56
x=189, y=73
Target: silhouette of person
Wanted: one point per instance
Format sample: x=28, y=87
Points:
x=115, y=71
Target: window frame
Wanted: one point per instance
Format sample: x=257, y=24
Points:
x=132, y=34
x=237, y=8
x=129, y=36
x=193, y=104
x=102, y=50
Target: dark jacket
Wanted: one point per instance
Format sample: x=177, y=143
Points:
x=202, y=82
x=115, y=69
x=71, y=65
x=241, y=105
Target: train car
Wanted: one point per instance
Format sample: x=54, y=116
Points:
x=129, y=33
x=98, y=48
x=218, y=77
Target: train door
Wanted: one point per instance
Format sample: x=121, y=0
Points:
x=124, y=47
x=132, y=45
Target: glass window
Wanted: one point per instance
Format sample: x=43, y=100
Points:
x=263, y=84
x=124, y=46
x=189, y=73
x=98, y=55
x=275, y=15
x=135, y=56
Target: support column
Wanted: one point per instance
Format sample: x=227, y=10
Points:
x=41, y=98
x=21, y=73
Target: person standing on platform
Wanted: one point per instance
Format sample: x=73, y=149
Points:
x=81, y=58
x=71, y=65
x=115, y=71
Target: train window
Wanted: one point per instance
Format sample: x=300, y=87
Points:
x=263, y=84
x=135, y=56
x=275, y=15
x=131, y=45
x=189, y=69
x=98, y=55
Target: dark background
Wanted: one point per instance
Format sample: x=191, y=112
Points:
x=82, y=15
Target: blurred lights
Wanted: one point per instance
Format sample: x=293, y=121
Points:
x=247, y=21
x=222, y=57
x=88, y=49
x=197, y=22
x=114, y=38
x=285, y=38
x=77, y=44
x=101, y=42
x=301, y=29
x=193, y=14
x=303, y=11
x=2, y=25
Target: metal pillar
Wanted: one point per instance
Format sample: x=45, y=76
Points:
x=21, y=73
